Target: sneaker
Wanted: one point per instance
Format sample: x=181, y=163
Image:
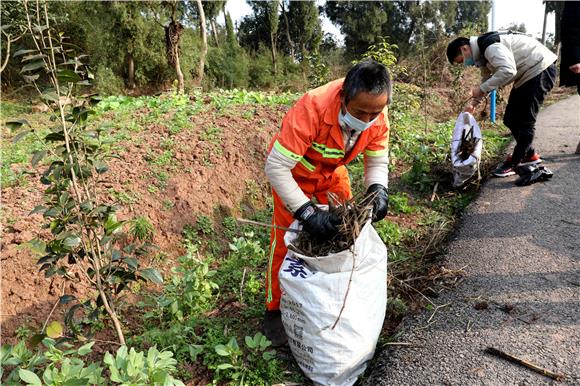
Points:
x=531, y=159
x=504, y=170
x=274, y=329
x=528, y=160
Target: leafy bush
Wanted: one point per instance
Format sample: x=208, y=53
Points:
x=260, y=71
x=230, y=225
x=61, y=364
x=142, y=229
x=225, y=72
x=246, y=257
x=179, y=337
x=204, y=225
x=406, y=101
x=390, y=233
x=106, y=82
x=255, y=365
x=384, y=53
x=399, y=203
x=190, y=290
x=132, y=367
x=317, y=70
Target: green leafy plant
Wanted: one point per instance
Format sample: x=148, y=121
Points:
x=204, y=225
x=60, y=364
x=230, y=225
x=390, y=233
x=142, y=229
x=256, y=365
x=55, y=366
x=399, y=203
x=317, y=70
x=252, y=190
x=23, y=332
x=384, y=53
x=152, y=189
x=190, y=290
x=84, y=228
x=124, y=197
x=130, y=367
x=179, y=337
x=212, y=134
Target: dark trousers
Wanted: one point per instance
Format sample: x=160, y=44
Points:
x=522, y=110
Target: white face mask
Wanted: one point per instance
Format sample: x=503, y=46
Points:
x=354, y=123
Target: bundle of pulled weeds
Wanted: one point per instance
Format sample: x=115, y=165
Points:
x=467, y=144
x=354, y=214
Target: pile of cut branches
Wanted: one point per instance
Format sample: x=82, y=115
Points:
x=354, y=214
x=468, y=141
x=467, y=145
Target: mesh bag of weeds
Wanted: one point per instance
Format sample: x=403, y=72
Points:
x=334, y=296
x=466, y=145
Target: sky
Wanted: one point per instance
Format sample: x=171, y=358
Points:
x=529, y=12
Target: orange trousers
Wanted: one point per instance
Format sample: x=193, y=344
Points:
x=338, y=184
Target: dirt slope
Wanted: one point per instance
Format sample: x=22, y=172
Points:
x=212, y=175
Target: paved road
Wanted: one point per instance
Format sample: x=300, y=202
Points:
x=521, y=246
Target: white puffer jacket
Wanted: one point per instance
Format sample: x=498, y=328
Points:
x=516, y=58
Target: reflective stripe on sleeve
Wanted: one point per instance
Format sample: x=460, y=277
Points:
x=376, y=153
x=307, y=165
x=293, y=156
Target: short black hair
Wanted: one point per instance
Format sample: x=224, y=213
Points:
x=368, y=76
x=454, y=48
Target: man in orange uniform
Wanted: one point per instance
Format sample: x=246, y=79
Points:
x=325, y=130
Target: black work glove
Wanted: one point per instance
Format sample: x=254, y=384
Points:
x=319, y=223
x=377, y=195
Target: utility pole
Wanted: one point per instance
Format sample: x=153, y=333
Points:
x=493, y=93
x=544, y=27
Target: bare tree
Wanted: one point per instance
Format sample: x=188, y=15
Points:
x=291, y=44
x=173, y=33
x=11, y=37
x=203, y=54
x=273, y=22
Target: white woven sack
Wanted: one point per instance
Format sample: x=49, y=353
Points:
x=313, y=294
x=463, y=170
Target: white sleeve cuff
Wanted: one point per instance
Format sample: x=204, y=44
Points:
x=279, y=172
x=377, y=170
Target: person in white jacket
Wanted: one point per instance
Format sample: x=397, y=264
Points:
x=504, y=58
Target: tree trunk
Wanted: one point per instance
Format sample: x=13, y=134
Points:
x=214, y=32
x=180, y=80
x=172, y=35
x=130, y=71
x=273, y=45
x=5, y=61
x=290, y=42
x=204, y=40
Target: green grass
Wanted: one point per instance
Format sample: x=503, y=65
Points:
x=226, y=98
x=212, y=134
x=162, y=159
x=16, y=156
x=123, y=196
x=142, y=229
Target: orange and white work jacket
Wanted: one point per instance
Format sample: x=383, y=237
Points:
x=309, y=150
